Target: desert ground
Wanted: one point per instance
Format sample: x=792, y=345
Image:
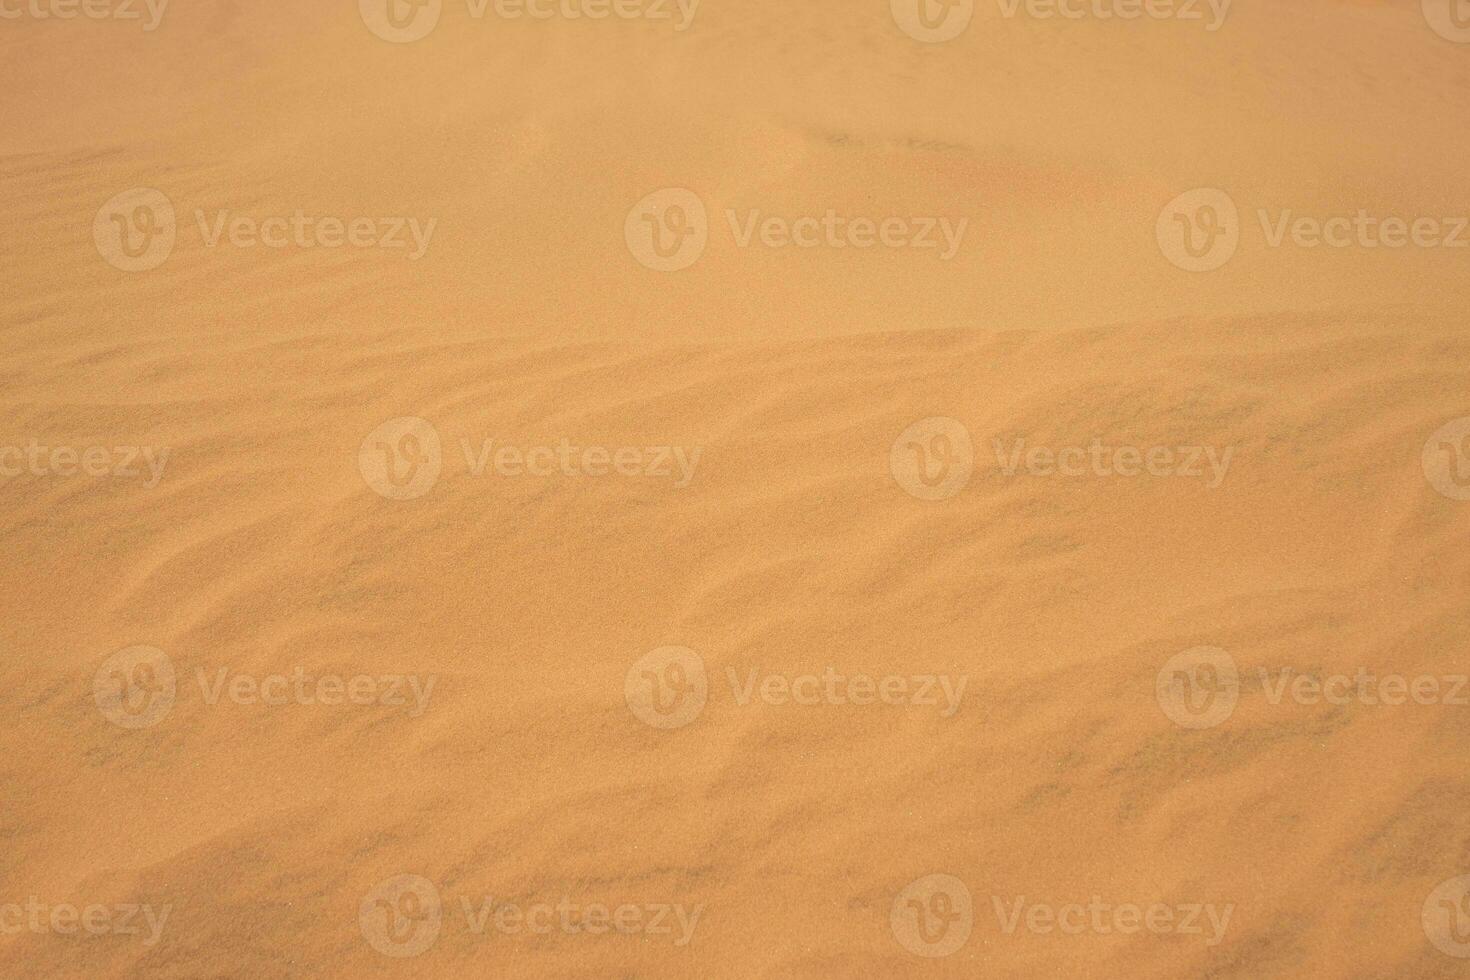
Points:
x=651, y=489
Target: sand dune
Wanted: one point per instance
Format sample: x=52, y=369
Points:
x=408, y=578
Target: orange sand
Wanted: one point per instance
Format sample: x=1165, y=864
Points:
x=509, y=729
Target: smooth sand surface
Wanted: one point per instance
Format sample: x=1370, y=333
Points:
x=317, y=692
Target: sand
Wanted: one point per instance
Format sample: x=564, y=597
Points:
x=748, y=492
